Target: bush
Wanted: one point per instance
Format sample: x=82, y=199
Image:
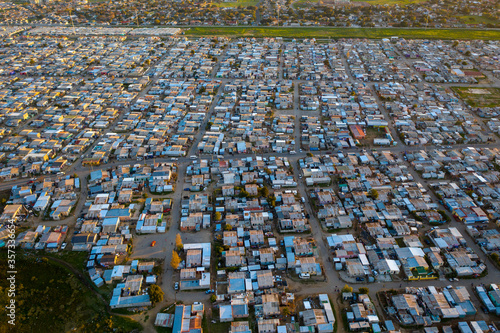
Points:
x=364, y=290
x=347, y=289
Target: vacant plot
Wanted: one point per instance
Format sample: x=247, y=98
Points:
x=242, y=3
x=475, y=19
x=308, y=3
x=390, y=2
x=371, y=134
x=479, y=97
x=305, y=3
x=325, y=32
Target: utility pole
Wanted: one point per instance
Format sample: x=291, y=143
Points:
x=278, y=13
x=71, y=17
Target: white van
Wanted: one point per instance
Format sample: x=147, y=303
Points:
x=304, y=275
x=193, y=157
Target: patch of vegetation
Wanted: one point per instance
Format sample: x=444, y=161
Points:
x=400, y=242
x=237, y=3
x=4, y=197
x=475, y=19
x=390, y=2
x=304, y=3
x=126, y=324
x=124, y=311
x=364, y=290
x=49, y=298
x=495, y=258
x=219, y=327
x=335, y=33
x=74, y=258
x=479, y=97
x=373, y=133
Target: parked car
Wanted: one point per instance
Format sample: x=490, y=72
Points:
x=176, y=286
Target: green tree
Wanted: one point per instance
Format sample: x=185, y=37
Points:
x=364, y=290
x=271, y=200
x=213, y=298
x=347, y=289
x=373, y=194
x=155, y=294
x=264, y=192
x=176, y=260
x=228, y=227
x=218, y=216
x=157, y=270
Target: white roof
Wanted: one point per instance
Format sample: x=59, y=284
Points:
x=393, y=266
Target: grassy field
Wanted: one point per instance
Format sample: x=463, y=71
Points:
x=474, y=19
x=390, y=2
x=308, y=3
x=325, y=32
x=479, y=97
x=49, y=298
x=304, y=3
x=75, y=259
x=242, y=3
